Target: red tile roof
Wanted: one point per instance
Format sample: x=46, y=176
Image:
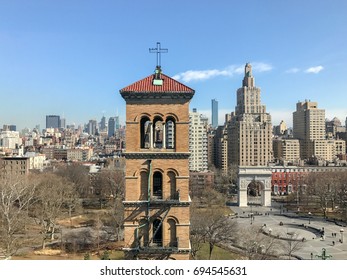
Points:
x=146, y=86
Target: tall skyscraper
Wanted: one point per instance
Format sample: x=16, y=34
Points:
x=103, y=123
x=198, y=143
x=52, y=121
x=117, y=125
x=309, y=128
x=111, y=126
x=62, y=123
x=92, y=127
x=214, y=105
x=250, y=129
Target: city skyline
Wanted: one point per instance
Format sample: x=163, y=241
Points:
x=72, y=58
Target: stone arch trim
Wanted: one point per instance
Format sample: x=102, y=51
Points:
x=172, y=116
x=142, y=115
x=157, y=169
x=173, y=171
x=249, y=174
x=158, y=115
x=172, y=218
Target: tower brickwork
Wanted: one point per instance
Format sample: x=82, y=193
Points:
x=157, y=217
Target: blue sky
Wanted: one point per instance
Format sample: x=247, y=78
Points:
x=71, y=57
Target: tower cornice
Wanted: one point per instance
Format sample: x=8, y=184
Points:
x=161, y=155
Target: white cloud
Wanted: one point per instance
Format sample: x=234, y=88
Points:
x=229, y=71
x=293, y=70
x=315, y=69
x=200, y=75
x=261, y=67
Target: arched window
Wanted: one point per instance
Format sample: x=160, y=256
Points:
x=158, y=135
x=170, y=133
x=145, y=133
x=157, y=185
x=143, y=234
x=158, y=232
x=172, y=183
x=143, y=185
x=172, y=233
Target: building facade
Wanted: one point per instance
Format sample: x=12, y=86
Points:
x=214, y=114
x=221, y=148
x=250, y=128
x=10, y=139
x=288, y=179
x=52, y=121
x=198, y=141
x=14, y=166
x=308, y=127
x=111, y=126
x=92, y=127
x=286, y=150
x=157, y=202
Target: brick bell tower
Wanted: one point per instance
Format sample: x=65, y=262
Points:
x=156, y=216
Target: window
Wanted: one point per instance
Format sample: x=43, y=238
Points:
x=143, y=234
x=158, y=129
x=174, y=195
x=145, y=132
x=157, y=185
x=157, y=233
x=173, y=234
x=143, y=186
x=170, y=133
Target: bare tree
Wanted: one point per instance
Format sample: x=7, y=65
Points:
x=79, y=175
x=292, y=245
x=98, y=226
x=225, y=181
x=109, y=183
x=53, y=195
x=212, y=226
x=324, y=187
x=16, y=195
x=257, y=245
x=197, y=230
x=118, y=218
x=342, y=194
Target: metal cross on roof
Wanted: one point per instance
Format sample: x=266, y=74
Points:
x=159, y=51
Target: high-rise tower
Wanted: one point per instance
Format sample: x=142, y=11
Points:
x=198, y=141
x=52, y=121
x=309, y=128
x=250, y=129
x=157, y=217
x=111, y=126
x=214, y=109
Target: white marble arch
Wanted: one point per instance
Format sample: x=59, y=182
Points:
x=249, y=174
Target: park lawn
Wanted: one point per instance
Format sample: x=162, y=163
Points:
x=217, y=254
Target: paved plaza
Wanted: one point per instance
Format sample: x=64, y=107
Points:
x=280, y=223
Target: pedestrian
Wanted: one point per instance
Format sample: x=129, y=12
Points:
x=333, y=243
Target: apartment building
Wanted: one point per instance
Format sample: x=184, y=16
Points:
x=198, y=141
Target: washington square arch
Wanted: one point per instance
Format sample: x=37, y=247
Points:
x=254, y=186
